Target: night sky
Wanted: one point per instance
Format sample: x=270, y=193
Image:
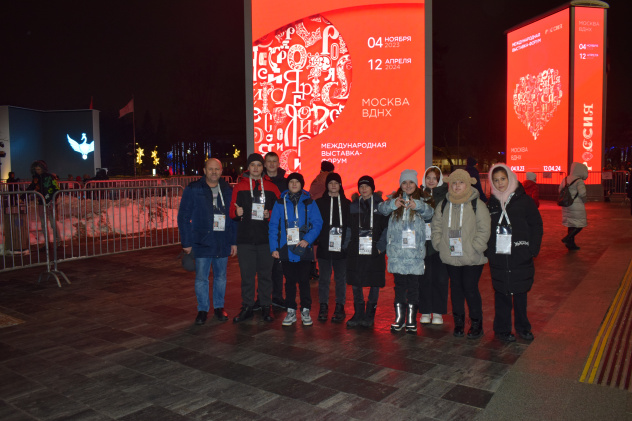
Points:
x=184, y=63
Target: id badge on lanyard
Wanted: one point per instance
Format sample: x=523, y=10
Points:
x=335, y=233
x=428, y=231
x=503, y=235
x=258, y=204
x=219, y=219
x=408, y=234
x=454, y=235
x=293, y=233
x=366, y=236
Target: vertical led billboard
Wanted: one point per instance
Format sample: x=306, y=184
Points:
x=589, y=81
x=538, y=94
x=343, y=81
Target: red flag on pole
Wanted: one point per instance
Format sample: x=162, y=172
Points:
x=129, y=108
x=90, y=103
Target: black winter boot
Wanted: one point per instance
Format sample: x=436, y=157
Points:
x=459, y=325
x=358, y=317
x=476, y=330
x=339, y=313
x=369, y=315
x=411, y=319
x=322, y=314
x=245, y=313
x=400, y=317
x=266, y=313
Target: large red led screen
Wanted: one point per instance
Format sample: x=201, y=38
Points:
x=538, y=95
x=341, y=81
x=588, y=80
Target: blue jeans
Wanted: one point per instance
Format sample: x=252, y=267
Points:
x=202, y=271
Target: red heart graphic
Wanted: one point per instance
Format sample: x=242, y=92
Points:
x=302, y=79
x=536, y=98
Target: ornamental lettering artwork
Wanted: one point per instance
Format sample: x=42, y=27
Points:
x=301, y=83
x=535, y=99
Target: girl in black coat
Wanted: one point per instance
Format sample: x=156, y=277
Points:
x=366, y=267
x=514, y=242
x=334, y=209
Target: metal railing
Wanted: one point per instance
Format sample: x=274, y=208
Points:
x=25, y=224
x=97, y=222
x=124, y=183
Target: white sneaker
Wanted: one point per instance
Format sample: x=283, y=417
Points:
x=437, y=319
x=425, y=319
x=290, y=318
x=307, y=320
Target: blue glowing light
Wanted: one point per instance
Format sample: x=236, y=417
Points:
x=84, y=148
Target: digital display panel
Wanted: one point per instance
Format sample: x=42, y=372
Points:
x=538, y=95
x=588, y=80
x=342, y=81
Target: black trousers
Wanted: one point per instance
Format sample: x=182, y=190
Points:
x=433, y=286
x=464, y=287
x=297, y=273
x=255, y=260
x=277, y=281
x=503, y=306
x=358, y=294
x=339, y=268
x=406, y=288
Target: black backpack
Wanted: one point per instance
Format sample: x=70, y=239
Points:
x=565, y=199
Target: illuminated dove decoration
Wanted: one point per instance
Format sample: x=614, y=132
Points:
x=84, y=148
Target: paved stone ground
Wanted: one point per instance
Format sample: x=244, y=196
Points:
x=120, y=343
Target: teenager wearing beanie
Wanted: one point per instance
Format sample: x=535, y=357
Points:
x=515, y=241
x=334, y=209
x=294, y=226
x=434, y=283
x=460, y=231
x=251, y=203
x=406, y=246
x=366, y=246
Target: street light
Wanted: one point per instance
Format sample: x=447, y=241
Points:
x=458, y=136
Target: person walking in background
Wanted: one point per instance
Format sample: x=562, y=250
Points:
x=251, y=203
x=472, y=170
x=207, y=231
x=532, y=188
x=46, y=184
x=460, y=231
x=294, y=226
x=277, y=176
x=406, y=246
x=334, y=209
x=511, y=249
x=366, y=246
x=574, y=216
x=434, y=283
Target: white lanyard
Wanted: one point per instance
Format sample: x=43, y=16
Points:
x=450, y=217
x=285, y=209
x=504, y=213
x=360, y=214
x=331, y=211
x=260, y=183
x=221, y=197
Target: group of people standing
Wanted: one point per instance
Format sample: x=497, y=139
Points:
x=437, y=234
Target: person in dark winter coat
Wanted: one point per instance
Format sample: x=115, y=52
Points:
x=207, y=231
x=47, y=184
x=511, y=252
x=366, y=246
x=406, y=246
x=294, y=226
x=334, y=209
x=532, y=188
x=253, y=199
x=434, y=283
x=277, y=176
x=471, y=169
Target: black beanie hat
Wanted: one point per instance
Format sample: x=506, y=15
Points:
x=368, y=180
x=296, y=176
x=255, y=157
x=326, y=166
x=333, y=176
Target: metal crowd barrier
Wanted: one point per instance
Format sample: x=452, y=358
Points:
x=134, y=182
x=25, y=227
x=98, y=222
